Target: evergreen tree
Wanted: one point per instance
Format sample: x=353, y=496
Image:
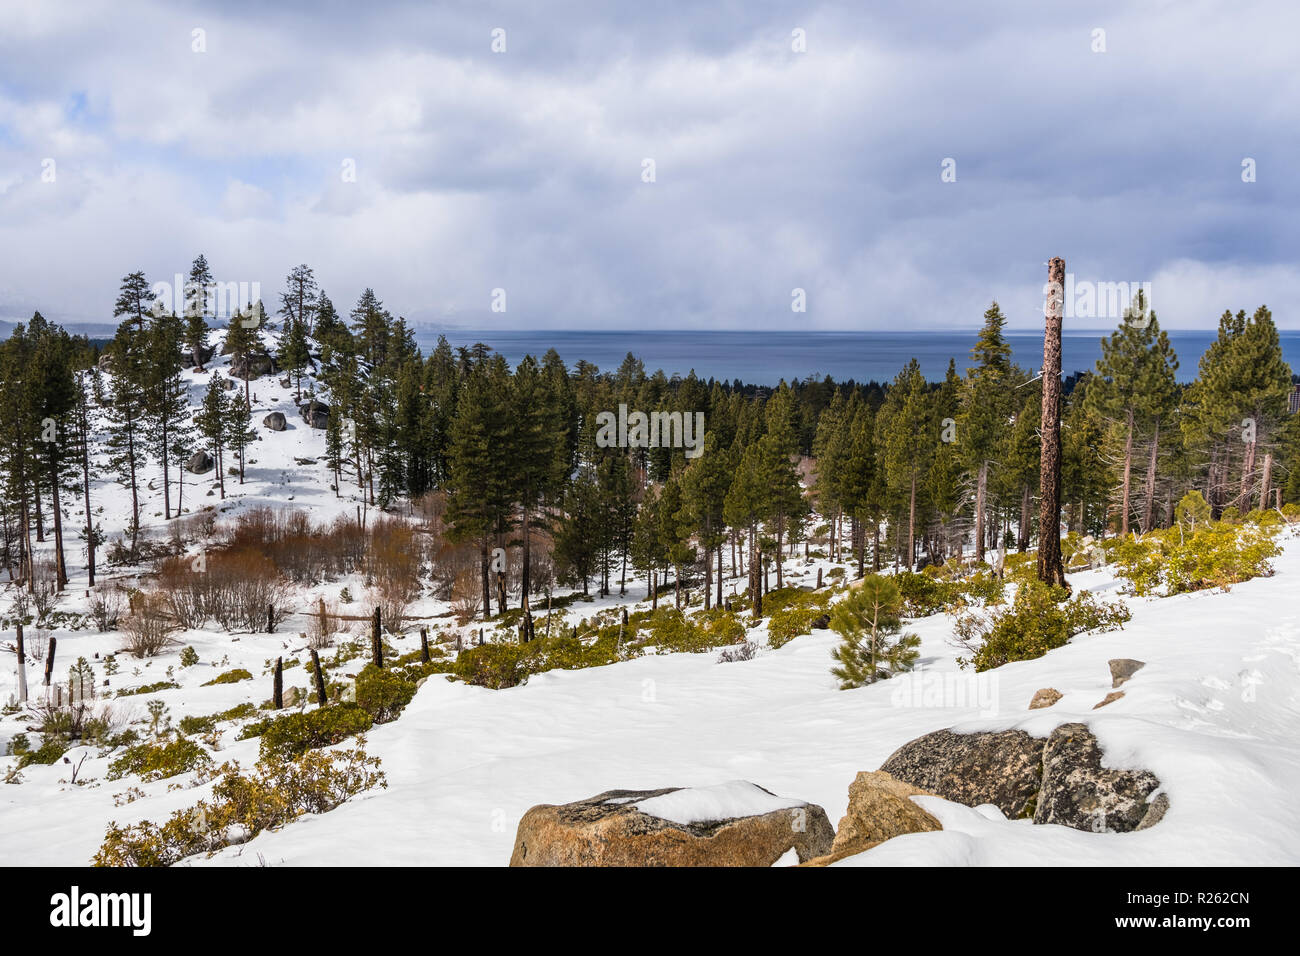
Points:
x=213, y=423
x=869, y=626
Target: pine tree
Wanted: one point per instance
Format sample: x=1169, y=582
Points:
x=478, y=486
x=907, y=435
x=705, y=484
x=1133, y=389
x=869, y=626
x=239, y=430
x=213, y=422
x=196, y=292
x=675, y=527
x=166, y=397
x=127, y=414
x=295, y=353
x=987, y=402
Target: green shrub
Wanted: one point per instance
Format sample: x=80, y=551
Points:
x=923, y=595
x=192, y=726
x=229, y=677
x=296, y=733
x=985, y=588
x=563, y=651
x=50, y=751
x=189, y=657
x=149, y=688
x=790, y=622
x=669, y=630
x=382, y=693
x=1039, y=619
x=1180, y=559
x=243, y=806
x=156, y=761
x=493, y=665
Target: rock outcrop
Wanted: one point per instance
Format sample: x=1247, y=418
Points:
x=1079, y=792
x=315, y=413
x=615, y=829
x=1059, y=779
x=1122, y=668
x=1003, y=768
x=880, y=808
x=275, y=421
x=200, y=463
x=1045, y=697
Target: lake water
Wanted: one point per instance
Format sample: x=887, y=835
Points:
x=765, y=358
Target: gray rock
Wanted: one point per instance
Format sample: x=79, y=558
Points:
x=1002, y=768
x=821, y=623
x=1122, y=668
x=203, y=357
x=228, y=384
x=1156, y=810
x=199, y=463
x=105, y=362
x=1079, y=792
x=253, y=366
x=275, y=421
x=315, y=413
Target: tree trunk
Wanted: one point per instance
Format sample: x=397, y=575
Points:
x=1050, y=569
x=1022, y=533
x=1265, y=480
x=1128, y=471
x=22, y=665
x=376, y=642
x=981, y=504
x=277, y=686
x=321, y=698
x=1149, y=508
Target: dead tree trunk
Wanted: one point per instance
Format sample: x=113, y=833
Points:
x=22, y=666
x=277, y=686
x=49, y=661
x=320, y=679
x=376, y=642
x=1050, y=570
x=424, y=645
x=1149, y=509
x=1265, y=480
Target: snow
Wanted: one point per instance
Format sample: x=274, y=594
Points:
x=1213, y=714
x=724, y=801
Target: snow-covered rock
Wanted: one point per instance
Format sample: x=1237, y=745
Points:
x=732, y=824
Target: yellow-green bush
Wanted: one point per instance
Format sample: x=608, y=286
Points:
x=243, y=806
x=382, y=693
x=295, y=733
x=157, y=761
x=492, y=665
x=1180, y=559
x=230, y=677
x=1039, y=619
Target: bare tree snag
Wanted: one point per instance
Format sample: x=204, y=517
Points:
x=321, y=698
x=1050, y=570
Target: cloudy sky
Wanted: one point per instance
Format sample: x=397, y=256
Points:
x=134, y=135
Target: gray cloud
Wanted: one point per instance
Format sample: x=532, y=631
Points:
x=774, y=169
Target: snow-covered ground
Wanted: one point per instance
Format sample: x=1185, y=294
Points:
x=1213, y=714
